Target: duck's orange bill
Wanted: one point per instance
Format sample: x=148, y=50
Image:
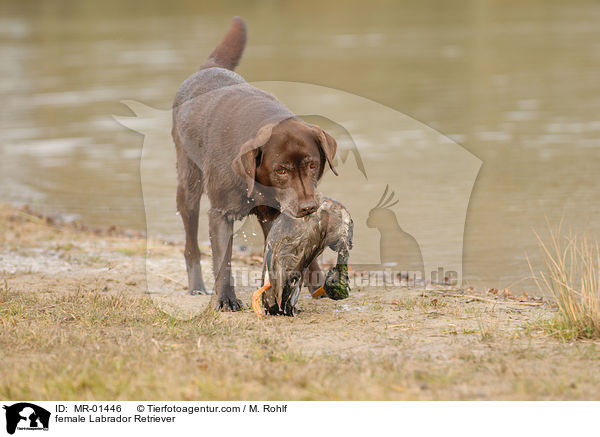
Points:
x=256, y=299
x=318, y=292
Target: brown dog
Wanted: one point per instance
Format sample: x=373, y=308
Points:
x=247, y=152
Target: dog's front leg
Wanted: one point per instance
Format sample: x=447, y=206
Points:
x=221, y=241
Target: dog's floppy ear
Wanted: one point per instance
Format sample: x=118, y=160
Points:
x=244, y=163
x=328, y=146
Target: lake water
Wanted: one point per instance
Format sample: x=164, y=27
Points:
x=514, y=84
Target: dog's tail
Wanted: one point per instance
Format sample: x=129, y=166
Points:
x=229, y=51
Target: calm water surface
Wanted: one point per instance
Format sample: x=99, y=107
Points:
x=517, y=84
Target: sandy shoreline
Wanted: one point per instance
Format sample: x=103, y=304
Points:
x=381, y=343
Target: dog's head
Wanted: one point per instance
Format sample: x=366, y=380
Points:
x=283, y=163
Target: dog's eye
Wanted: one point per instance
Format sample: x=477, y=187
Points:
x=313, y=165
x=281, y=171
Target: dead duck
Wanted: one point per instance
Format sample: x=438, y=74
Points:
x=292, y=244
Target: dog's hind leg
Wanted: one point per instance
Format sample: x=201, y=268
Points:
x=189, y=191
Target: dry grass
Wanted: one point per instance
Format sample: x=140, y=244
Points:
x=75, y=324
x=572, y=277
x=86, y=345
x=89, y=344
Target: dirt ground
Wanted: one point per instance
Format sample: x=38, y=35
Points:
x=77, y=322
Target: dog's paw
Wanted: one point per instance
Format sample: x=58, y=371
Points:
x=229, y=303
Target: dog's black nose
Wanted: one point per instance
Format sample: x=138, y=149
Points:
x=306, y=208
